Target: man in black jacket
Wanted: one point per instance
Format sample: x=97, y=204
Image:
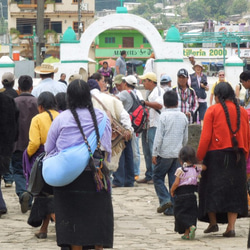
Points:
x=8, y=135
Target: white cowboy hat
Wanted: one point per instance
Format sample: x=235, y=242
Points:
x=83, y=75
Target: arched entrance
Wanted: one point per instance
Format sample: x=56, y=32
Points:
x=74, y=55
x=115, y=20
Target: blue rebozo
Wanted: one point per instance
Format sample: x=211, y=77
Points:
x=68, y=164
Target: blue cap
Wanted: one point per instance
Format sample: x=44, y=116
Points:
x=165, y=78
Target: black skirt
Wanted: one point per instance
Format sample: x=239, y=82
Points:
x=223, y=186
x=43, y=205
x=185, y=208
x=84, y=217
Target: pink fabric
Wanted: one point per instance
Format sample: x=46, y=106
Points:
x=190, y=177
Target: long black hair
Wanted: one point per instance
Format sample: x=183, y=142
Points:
x=78, y=96
x=224, y=91
x=47, y=100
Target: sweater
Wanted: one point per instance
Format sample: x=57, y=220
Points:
x=39, y=129
x=216, y=134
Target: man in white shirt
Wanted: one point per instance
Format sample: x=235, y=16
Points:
x=154, y=102
x=149, y=66
x=48, y=83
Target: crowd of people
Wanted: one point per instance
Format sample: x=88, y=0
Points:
x=56, y=116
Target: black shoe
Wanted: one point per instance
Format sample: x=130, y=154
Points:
x=162, y=208
x=230, y=233
x=3, y=211
x=142, y=181
x=41, y=235
x=211, y=229
x=25, y=202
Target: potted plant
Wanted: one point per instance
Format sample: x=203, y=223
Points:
x=51, y=36
x=14, y=33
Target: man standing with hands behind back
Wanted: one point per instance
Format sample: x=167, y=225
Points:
x=187, y=99
x=120, y=65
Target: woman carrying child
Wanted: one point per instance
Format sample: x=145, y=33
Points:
x=185, y=206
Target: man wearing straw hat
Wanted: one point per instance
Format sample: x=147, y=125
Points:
x=48, y=83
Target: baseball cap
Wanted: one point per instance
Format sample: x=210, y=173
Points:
x=8, y=77
x=182, y=72
x=165, y=78
x=150, y=75
x=131, y=80
x=118, y=79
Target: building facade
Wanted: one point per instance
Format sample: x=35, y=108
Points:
x=110, y=43
x=58, y=15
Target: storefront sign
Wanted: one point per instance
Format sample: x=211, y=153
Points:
x=114, y=53
x=206, y=52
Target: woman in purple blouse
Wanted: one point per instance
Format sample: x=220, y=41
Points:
x=84, y=213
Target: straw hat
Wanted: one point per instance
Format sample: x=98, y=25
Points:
x=45, y=68
x=83, y=75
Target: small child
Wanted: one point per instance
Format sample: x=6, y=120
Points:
x=185, y=206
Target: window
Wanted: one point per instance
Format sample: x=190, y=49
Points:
x=56, y=26
x=109, y=39
x=128, y=42
x=75, y=1
x=75, y=27
x=25, y=25
x=58, y=1
x=145, y=40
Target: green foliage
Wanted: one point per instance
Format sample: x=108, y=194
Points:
x=197, y=10
x=3, y=26
x=215, y=9
x=237, y=7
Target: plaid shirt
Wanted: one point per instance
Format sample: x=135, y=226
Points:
x=187, y=100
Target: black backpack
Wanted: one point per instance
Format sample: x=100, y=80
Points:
x=138, y=114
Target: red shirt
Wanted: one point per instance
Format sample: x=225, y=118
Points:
x=216, y=134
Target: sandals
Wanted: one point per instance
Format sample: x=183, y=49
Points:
x=192, y=232
x=185, y=237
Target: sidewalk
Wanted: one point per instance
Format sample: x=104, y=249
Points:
x=137, y=225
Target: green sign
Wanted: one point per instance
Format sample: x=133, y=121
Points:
x=131, y=53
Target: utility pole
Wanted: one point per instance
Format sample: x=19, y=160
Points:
x=40, y=31
x=79, y=19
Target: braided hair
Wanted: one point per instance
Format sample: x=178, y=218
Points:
x=224, y=91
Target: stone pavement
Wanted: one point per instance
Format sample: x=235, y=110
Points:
x=137, y=225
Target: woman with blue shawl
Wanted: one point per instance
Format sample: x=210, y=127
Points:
x=83, y=208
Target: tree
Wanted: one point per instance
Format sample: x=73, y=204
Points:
x=197, y=11
x=237, y=7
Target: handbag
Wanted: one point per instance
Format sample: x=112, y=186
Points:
x=36, y=181
x=117, y=129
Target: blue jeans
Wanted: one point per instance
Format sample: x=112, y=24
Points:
x=8, y=177
x=17, y=168
x=124, y=175
x=136, y=153
x=164, y=166
x=147, y=146
x=2, y=202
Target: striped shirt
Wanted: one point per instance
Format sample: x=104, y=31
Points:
x=187, y=100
